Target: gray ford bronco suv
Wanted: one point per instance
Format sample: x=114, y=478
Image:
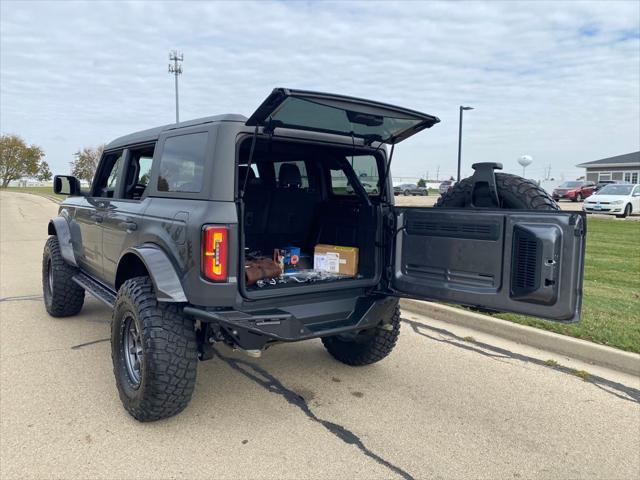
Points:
x=173, y=213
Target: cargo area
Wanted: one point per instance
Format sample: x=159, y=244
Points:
x=311, y=211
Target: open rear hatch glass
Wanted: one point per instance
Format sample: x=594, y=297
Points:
x=337, y=114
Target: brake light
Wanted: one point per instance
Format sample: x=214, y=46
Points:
x=215, y=242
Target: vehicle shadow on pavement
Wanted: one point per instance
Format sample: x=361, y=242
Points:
x=617, y=389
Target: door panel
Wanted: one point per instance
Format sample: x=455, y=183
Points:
x=89, y=229
x=122, y=221
x=508, y=260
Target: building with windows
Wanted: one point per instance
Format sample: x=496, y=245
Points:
x=623, y=167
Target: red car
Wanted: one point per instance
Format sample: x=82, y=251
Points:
x=574, y=191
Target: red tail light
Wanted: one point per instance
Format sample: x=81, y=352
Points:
x=215, y=243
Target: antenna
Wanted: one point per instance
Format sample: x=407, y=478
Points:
x=176, y=69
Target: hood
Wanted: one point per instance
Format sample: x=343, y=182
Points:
x=605, y=198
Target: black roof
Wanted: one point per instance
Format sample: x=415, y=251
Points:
x=628, y=159
x=153, y=133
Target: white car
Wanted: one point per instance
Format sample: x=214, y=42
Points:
x=617, y=199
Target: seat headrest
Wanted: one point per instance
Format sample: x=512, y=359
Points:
x=289, y=176
x=242, y=173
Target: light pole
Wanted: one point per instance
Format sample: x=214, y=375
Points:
x=460, y=138
x=176, y=69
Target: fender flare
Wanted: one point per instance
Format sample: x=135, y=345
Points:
x=166, y=281
x=59, y=227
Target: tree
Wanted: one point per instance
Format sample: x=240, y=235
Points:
x=44, y=175
x=18, y=160
x=86, y=161
x=422, y=182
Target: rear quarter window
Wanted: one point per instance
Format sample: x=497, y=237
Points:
x=365, y=168
x=182, y=163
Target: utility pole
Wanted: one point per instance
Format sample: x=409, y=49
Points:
x=460, y=138
x=176, y=69
x=438, y=173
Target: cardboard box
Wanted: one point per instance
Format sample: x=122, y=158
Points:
x=336, y=259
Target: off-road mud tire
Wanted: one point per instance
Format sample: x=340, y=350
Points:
x=169, y=362
x=368, y=347
x=62, y=296
x=514, y=192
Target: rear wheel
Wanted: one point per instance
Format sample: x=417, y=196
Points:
x=154, y=353
x=62, y=296
x=514, y=192
x=367, y=347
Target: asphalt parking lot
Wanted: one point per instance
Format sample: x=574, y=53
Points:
x=447, y=403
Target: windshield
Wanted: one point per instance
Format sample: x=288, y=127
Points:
x=570, y=184
x=616, y=190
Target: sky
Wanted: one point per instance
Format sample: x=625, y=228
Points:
x=559, y=81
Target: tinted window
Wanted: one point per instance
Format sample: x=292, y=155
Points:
x=366, y=169
x=182, y=163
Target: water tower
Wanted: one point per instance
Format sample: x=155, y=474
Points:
x=525, y=161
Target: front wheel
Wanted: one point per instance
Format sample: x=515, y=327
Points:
x=367, y=347
x=626, y=213
x=154, y=353
x=578, y=198
x=62, y=296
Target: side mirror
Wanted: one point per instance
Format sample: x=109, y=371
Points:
x=66, y=185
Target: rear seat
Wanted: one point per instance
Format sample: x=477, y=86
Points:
x=291, y=210
x=257, y=199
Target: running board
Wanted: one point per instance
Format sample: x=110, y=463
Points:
x=102, y=293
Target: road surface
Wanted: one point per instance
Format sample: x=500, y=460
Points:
x=443, y=405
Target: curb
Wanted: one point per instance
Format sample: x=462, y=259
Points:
x=593, y=353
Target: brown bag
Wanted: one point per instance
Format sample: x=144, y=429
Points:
x=261, y=269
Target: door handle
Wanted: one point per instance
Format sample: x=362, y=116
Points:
x=129, y=226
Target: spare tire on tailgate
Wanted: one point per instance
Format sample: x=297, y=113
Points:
x=514, y=192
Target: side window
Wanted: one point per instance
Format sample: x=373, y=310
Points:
x=286, y=175
x=138, y=171
x=107, y=178
x=366, y=169
x=182, y=163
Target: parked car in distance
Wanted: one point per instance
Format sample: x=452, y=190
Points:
x=368, y=187
x=604, y=183
x=410, y=189
x=445, y=186
x=576, y=191
x=617, y=199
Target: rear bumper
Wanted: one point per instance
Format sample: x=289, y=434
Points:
x=253, y=329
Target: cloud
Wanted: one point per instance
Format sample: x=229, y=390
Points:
x=557, y=80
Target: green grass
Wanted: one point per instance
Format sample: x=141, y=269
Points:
x=42, y=191
x=611, y=304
